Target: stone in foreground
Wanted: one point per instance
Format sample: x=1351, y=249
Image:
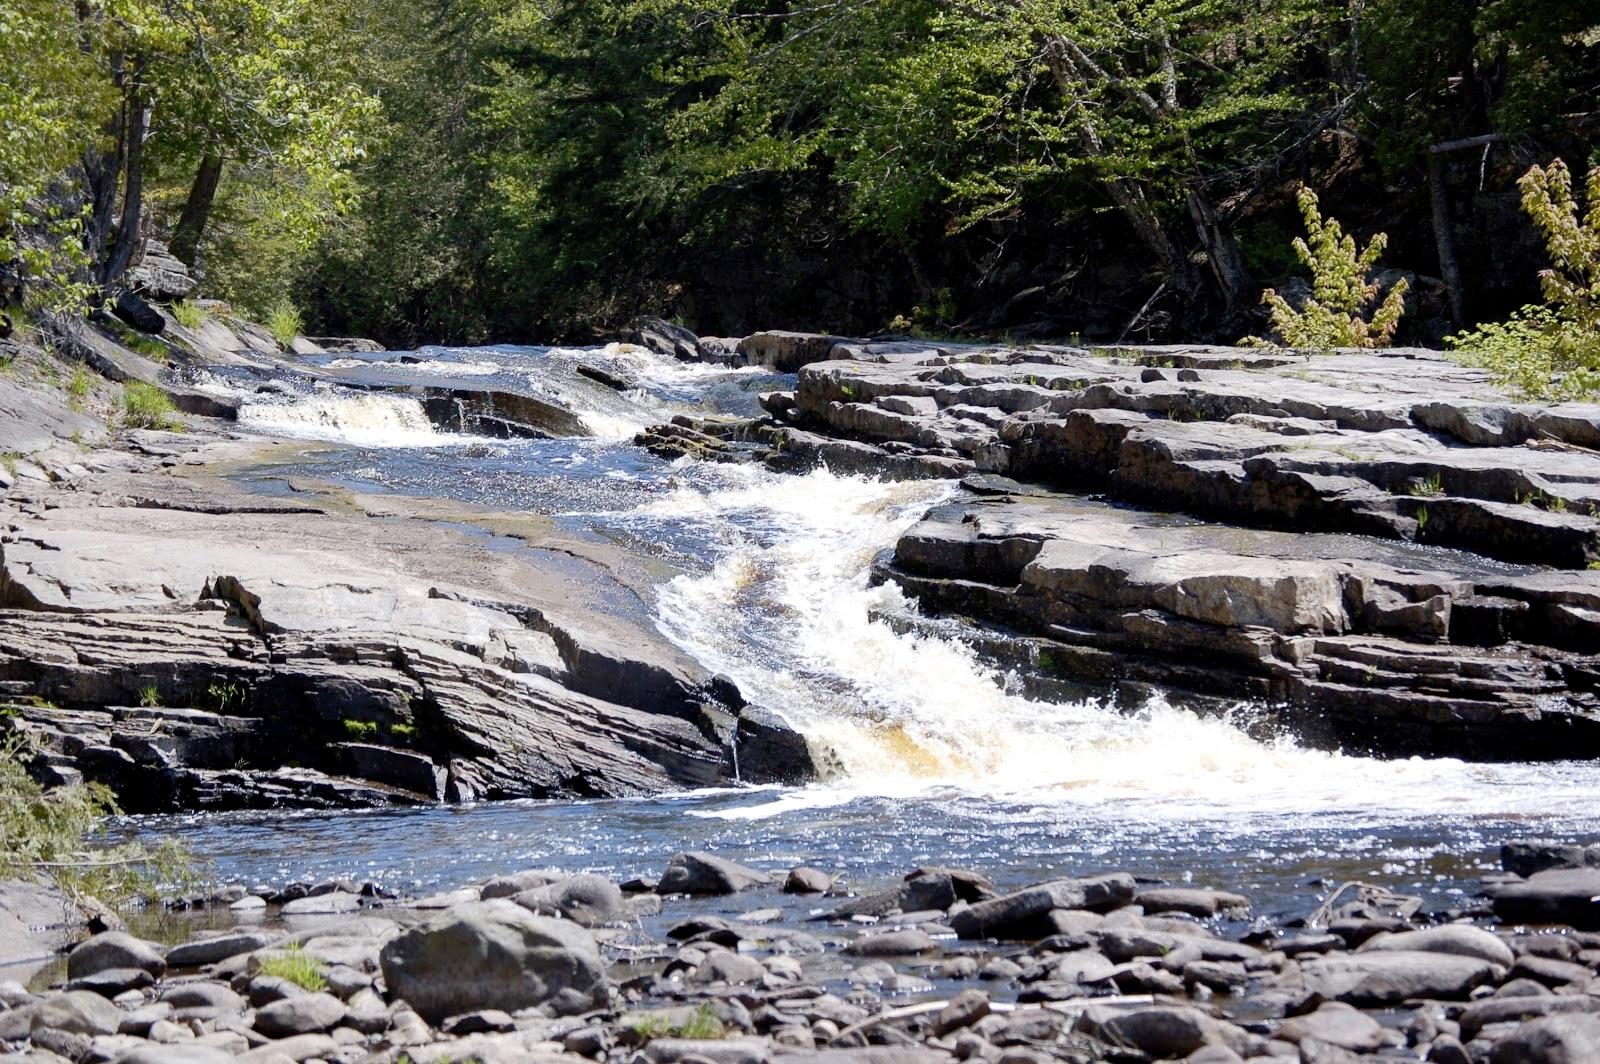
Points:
x=494, y=955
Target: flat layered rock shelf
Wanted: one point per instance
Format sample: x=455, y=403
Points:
x=196, y=647
x=1379, y=545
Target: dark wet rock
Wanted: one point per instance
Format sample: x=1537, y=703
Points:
x=1552, y=1040
x=1390, y=977
x=1527, y=858
x=114, y=949
x=494, y=954
x=1551, y=972
x=665, y=338
x=307, y=1013
x=1557, y=896
x=1021, y=915
x=705, y=873
x=484, y=1021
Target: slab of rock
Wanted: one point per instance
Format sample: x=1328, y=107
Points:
x=1021, y=915
x=494, y=955
x=1385, y=978
x=73, y=1011
x=491, y=643
x=1189, y=900
x=1559, y=896
x=705, y=873
x=1463, y=940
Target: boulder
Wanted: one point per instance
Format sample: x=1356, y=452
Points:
x=1190, y=901
x=211, y=950
x=1462, y=940
x=589, y=900
x=1021, y=915
x=74, y=1011
x=1163, y=1032
x=1526, y=858
x=1557, y=896
x=807, y=881
x=906, y=943
x=494, y=955
x=704, y=873
x=300, y=1014
x=114, y=949
x=176, y=1054
x=1389, y=977
x=1552, y=1040
x=1336, y=1023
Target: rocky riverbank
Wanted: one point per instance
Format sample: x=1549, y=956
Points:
x=1381, y=546
x=707, y=963
x=196, y=647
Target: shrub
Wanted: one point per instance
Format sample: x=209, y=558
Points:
x=1551, y=351
x=48, y=832
x=188, y=314
x=1336, y=313
x=144, y=406
x=360, y=729
x=284, y=322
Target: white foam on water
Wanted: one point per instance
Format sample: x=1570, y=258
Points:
x=786, y=612
x=371, y=420
x=427, y=367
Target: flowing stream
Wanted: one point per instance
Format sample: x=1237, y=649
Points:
x=937, y=757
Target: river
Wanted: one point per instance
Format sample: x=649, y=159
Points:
x=936, y=757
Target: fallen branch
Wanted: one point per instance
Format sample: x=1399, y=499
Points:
x=923, y=1008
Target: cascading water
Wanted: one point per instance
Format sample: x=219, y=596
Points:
x=788, y=613
x=935, y=758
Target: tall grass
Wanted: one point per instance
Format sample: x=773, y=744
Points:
x=144, y=406
x=284, y=322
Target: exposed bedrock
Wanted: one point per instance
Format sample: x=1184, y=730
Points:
x=192, y=648
x=1355, y=642
x=1410, y=560
x=1401, y=445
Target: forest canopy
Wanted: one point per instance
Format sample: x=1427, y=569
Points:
x=467, y=170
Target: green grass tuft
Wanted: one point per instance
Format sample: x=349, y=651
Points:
x=296, y=966
x=150, y=696
x=284, y=322
x=360, y=729
x=144, y=406
x=188, y=315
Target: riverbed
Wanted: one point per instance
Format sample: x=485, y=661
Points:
x=935, y=756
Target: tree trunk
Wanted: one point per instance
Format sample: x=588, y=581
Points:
x=1222, y=254
x=191, y=228
x=1444, y=239
x=127, y=240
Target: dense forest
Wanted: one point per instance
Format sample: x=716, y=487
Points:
x=468, y=170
